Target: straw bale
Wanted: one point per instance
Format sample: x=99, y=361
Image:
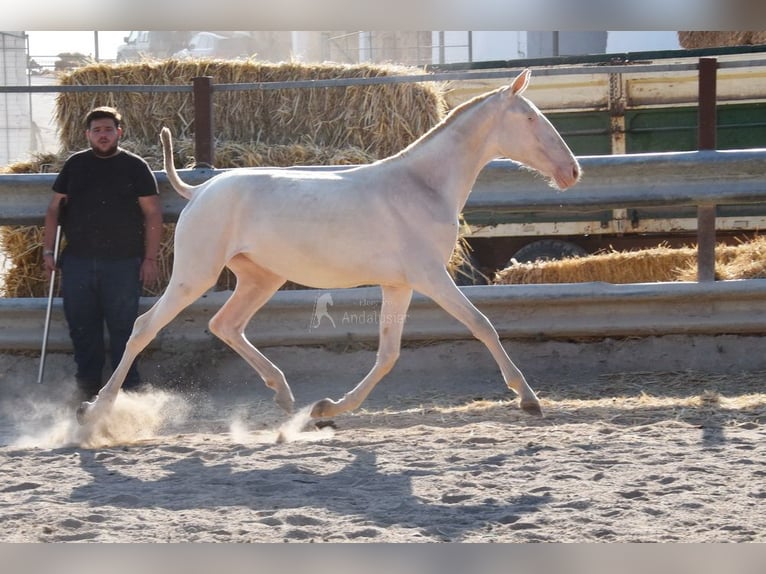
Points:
x=744, y=261
x=39, y=163
x=699, y=39
x=378, y=119
x=23, y=246
x=611, y=267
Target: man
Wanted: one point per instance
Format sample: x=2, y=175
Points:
x=112, y=229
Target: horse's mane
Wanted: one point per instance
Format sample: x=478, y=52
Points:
x=450, y=118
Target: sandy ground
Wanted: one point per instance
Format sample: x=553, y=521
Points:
x=439, y=452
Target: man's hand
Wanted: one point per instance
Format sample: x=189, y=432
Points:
x=48, y=261
x=149, y=273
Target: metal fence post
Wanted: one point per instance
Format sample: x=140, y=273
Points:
x=706, y=140
x=203, y=121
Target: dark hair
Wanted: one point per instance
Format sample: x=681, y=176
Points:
x=101, y=113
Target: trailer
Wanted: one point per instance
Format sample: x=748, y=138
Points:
x=625, y=104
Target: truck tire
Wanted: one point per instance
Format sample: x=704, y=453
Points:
x=547, y=250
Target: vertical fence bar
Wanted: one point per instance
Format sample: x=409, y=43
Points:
x=203, y=121
x=706, y=140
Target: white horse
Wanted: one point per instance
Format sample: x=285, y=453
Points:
x=393, y=223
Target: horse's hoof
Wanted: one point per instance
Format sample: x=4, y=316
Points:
x=532, y=408
x=323, y=408
x=83, y=412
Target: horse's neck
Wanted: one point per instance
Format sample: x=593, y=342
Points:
x=450, y=158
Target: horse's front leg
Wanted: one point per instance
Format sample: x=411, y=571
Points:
x=442, y=289
x=393, y=313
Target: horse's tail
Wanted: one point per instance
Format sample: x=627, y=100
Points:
x=184, y=189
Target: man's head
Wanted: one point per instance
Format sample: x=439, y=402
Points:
x=103, y=130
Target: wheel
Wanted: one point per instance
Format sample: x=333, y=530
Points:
x=547, y=250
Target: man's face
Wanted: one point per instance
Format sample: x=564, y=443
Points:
x=103, y=136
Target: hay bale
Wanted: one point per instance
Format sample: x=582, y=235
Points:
x=23, y=245
x=744, y=261
x=39, y=163
x=658, y=264
x=24, y=248
x=378, y=119
x=612, y=267
x=697, y=40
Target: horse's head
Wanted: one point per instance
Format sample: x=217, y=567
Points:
x=525, y=135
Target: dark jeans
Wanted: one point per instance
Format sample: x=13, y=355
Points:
x=98, y=292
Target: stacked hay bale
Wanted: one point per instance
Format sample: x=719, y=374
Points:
x=379, y=119
x=744, y=261
x=282, y=127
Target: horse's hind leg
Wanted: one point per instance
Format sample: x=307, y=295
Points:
x=255, y=286
x=445, y=293
x=393, y=312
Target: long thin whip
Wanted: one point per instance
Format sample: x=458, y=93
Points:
x=47, y=327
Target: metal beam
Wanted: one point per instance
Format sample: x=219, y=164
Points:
x=608, y=182
x=517, y=311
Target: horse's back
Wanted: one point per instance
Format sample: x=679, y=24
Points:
x=273, y=190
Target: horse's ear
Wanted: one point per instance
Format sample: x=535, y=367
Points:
x=521, y=82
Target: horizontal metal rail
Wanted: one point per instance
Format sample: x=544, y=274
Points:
x=508, y=72
x=518, y=312
x=608, y=182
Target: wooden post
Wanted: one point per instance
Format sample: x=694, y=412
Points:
x=203, y=122
x=706, y=140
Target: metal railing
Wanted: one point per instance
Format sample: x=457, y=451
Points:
x=535, y=312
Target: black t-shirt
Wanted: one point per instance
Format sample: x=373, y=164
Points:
x=103, y=218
